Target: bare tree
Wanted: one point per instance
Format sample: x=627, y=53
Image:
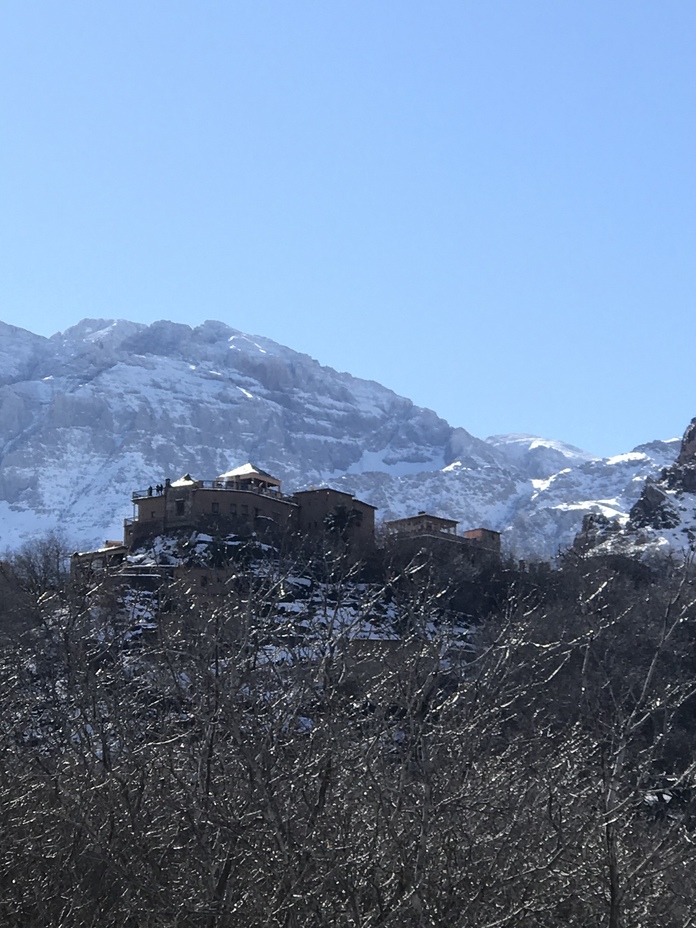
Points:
x=296, y=746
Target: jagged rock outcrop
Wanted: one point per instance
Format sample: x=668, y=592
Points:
x=658, y=503
x=596, y=529
x=661, y=521
x=681, y=476
x=687, y=452
x=654, y=509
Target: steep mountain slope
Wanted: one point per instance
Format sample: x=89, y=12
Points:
x=107, y=406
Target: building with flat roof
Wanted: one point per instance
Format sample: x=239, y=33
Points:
x=438, y=529
x=241, y=501
x=422, y=524
x=326, y=510
x=248, y=502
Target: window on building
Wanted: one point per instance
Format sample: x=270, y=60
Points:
x=180, y=507
x=215, y=507
x=245, y=510
x=233, y=509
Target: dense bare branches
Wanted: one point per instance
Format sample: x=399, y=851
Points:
x=315, y=750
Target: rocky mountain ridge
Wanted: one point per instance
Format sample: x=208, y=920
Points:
x=110, y=405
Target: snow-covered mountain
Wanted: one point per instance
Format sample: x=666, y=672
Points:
x=106, y=407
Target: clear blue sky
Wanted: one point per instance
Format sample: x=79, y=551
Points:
x=487, y=205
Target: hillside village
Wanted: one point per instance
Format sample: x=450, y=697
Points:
x=254, y=686
x=246, y=668
x=197, y=700
x=248, y=503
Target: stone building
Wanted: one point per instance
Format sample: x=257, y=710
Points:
x=421, y=524
x=327, y=510
x=434, y=530
x=89, y=564
x=241, y=501
x=248, y=502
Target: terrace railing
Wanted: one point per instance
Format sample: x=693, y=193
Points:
x=152, y=492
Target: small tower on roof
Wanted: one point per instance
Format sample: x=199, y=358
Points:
x=185, y=481
x=249, y=477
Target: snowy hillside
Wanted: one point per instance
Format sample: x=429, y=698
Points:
x=109, y=406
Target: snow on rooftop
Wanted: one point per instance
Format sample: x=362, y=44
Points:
x=247, y=470
x=185, y=481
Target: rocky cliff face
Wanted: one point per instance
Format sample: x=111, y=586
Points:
x=109, y=406
x=663, y=518
x=687, y=452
